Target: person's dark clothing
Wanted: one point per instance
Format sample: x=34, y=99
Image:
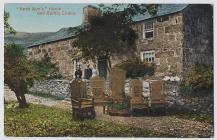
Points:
x=88, y=73
x=78, y=74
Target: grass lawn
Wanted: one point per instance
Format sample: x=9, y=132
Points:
x=39, y=120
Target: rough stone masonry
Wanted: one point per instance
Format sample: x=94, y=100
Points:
x=58, y=88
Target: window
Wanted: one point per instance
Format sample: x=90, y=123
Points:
x=162, y=19
x=148, y=56
x=148, y=30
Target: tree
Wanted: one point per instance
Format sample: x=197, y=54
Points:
x=7, y=27
x=18, y=73
x=111, y=33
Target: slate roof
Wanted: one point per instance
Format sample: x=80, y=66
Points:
x=163, y=9
x=65, y=33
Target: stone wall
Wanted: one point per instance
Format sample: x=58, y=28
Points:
x=171, y=91
x=61, y=53
x=176, y=100
x=166, y=42
x=198, y=35
x=192, y=103
x=58, y=88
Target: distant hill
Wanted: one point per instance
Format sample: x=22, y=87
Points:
x=25, y=39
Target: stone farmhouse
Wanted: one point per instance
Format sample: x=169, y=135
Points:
x=178, y=36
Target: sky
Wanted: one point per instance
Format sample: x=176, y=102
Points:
x=40, y=17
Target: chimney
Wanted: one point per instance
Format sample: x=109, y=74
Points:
x=88, y=12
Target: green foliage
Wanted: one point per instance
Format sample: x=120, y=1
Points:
x=17, y=68
x=39, y=120
x=198, y=80
x=18, y=72
x=45, y=68
x=111, y=33
x=135, y=68
x=119, y=106
x=106, y=36
x=7, y=27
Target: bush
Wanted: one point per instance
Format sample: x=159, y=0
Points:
x=135, y=68
x=46, y=69
x=198, y=80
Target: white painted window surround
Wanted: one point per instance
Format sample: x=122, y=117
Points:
x=148, y=30
x=148, y=56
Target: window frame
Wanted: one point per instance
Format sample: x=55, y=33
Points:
x=144, y=30
x=150, y=58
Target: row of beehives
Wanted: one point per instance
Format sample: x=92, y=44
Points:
x=135, y=99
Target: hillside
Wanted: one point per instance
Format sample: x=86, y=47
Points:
x=25, y=39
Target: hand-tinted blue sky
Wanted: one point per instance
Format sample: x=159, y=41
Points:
x=30, y=21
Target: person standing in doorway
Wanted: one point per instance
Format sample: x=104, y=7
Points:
x=95, y=71
x=78, y=73
x=88, y=73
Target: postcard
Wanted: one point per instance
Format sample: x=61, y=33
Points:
x=108, y=70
